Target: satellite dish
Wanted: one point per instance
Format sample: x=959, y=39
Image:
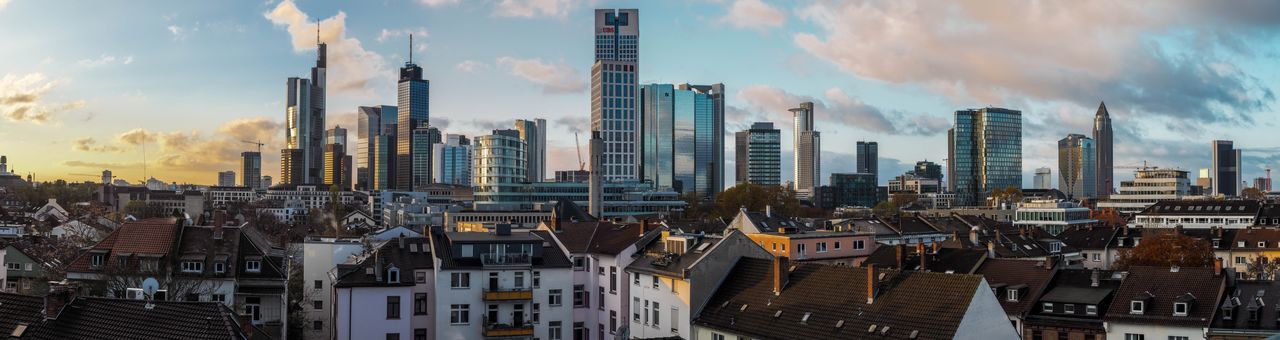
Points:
x=149, y=287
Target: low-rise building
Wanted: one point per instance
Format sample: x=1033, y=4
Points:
x=310, y=196
x=1165, y=303
x=1017, y=284
x=1096, y=244
x=137, y=250
x=23, y=274
x=1073, y=306
x=601, y=252
x=221, y=196
x=783, y=236
x=1247, y=312
x=390, y=292
x=1052, y=216
x=1199, y=214
x=233, y=264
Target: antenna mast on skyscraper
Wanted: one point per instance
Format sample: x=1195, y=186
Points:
x=317, y=32
x=410, y=48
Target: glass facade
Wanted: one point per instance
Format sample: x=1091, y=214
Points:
x=808, y=146
x=683, y=137
x=614, y=92
x=1077, y=166
x=759, y=155
x=451, y=161
x=383, y=172
x=987, y=152
x=251, y=169
x=498, y=163
x=857, y=190
x=412, y=151
x=868, y=158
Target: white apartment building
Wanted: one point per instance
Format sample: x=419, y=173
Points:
x=311, y=196
x=320, y=257
x=1148, y=187
x=1054, y=216
x=600, y=252
x=220, y=196
x=1198, y=214
x=389, y=294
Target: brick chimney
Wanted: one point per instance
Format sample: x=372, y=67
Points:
x=219, y=220
x=935, y=248
x=900, y=255
x=973, y=235
x=991, y=250
x=1217, y=267
x=1049, y=262
x=873, y=286
x=780, y=274
x=924, y=258
x=644, y=226
x=246, y=326
x=61, y=294
x=1094, y=278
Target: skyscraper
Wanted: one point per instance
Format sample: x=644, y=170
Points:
x=251, y=170
x=951, y=160
x=291, y=166
x=413, y=152
x=808, y=151
x=227, y=178
x=336, y=135
x=1102, y=141
x=1226, y=169
x=534, y=134
x=759, y=154
x=1077, y=167
x=304, y=122
x=1043, y=179
x=368, y=128
x=498, y=165
x=868, y=158
x=613, y=91
x=451, y=161
x=335, y=172
x=987, y=152
x=683, y=144
x=927, y=169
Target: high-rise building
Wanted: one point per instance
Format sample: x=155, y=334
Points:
x=1102, y=141
x=1149, y=185
x=987, y=153
x=808, y=151
x=498, y=165
x=759, y=155
x=451, y=161
x=369, y=126
x=304, y=122
x=927, y=169
x=227, y=178
x=413, y=142
x=336, y=135
x=292, y=165
x=614, y=92
x=334, y=156
x=1205, y=180
x=266, y=181
x=683, y=143
x=1077, y=166
x=534, y=134
x=1043, y=179
x=251, y=170
x=1262, y=183
x=868, y=158
x=951, y=160
x=1226, y=169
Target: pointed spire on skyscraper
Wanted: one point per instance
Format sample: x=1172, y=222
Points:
x=1102, y=109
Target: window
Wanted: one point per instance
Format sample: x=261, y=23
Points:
x=646, y=312
x=554, y=330
x=553, y=297
x=636, y=280
x=13, y=266
x=317, y=325
x=393, y=336
x=579, y=296
x=254, y=266
x=822, y=247
x=717, y=336
x=1047, y=307
x=149, y=265
x=393, y=275
x=468, y=250
x=537, y=279
x=600, y=297
x=317, y=304
x=600, y=271
x=675, y=318
x=318, y=284
x=1097, y=257
x=655, y=282
x=519, y=280
x=1011, y=295
x=784, y=247
x=420, y=277
x=613, y=280
x=460, y=280
x=802, y=247
x=220, y=267
x=579, y=263
x=1174, y=337
x=192, y=266
x=613, y=321
x=775, y=246
x=858, y=245
x=459, y=314
x=1240, y=259
x=393, y=307
x=635, y=309
x=537, y=312
x=96, y=260
x=1131, y=336
x=214, y=297
x=420, y=304
x=1091, y=310
x=1136, y=307
x=1179, y=309
x=1069, y=308
x=655, y=314
x=420, y=334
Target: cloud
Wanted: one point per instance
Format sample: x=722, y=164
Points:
x=1080, y=52
x=575, y=123
x=193, y=152
x=554, y=77
x=838, y=107
x=351, y=68
x=753, y=14
x=4, y=3
x=137, y=137
x=387, y=34
x=439, y=3
x=21, y=98
x=533, y=8
x=104, y=60
x=88, y=144
x=470, y=65
x=177, y=32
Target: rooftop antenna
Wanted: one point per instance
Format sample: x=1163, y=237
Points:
x=317, y=32
x=410, y=48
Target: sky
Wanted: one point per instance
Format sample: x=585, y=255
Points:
x=92, y=86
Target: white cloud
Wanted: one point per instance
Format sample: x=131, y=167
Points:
x=838, y=107
x=21, y=98
x=470, y=65
x=753, y=14
x=104, y=60
x=4, y=3
x=352, y=68
x=439, y=3
x=533, y=8
x=178, y=32
x=386, y=34
x=554, y=77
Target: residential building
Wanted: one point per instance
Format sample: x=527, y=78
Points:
x=227, y=178
x=1198, y=214
x=1096, y=244
x=682, y=141
x=1017, y=284
x=234, y=264
x=1077, y=168
x=673, y=281
x=987, y=154
x=1205, y=181
x=895, y=230
x=1245, y=311
x=22, y=273
x=1044, y=178
x=189, y=202
x=251, y=170
x=600, y=252
x=1166, y=303
x=136, y=248
x=62, y=314
x=868, y=159
x=315, y=196
x=451, y=161
x=614, y=92
x=769, y=300
x=4, y=273
x=304, y=124
x=932, y=258
x=808, y=151
x=534, y=135
x=1073, y=306
x=221, y=197
x=413, y=144
x=322, y=257
x=1052, y=216
x=1148, y=187
x=390, y=292
x=782, y=236
x=757, y=154
x=1104, y=146
x=1227, y=178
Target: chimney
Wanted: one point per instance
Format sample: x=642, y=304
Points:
x=644, y=226
x=1094, y=277
x=935, y=248
x=780, y=274
x=872, y=283
x=61, y=294
x=1217, y=267
x=973, y=235
x=768, y=211
x=1022, y=232
x=246, y=326
x=991, y=250
x=924, y=258
x=219, y=220
x=595, y=189
x=900, y=255
x=1124, y=230
x=1177, y=230
x=401, y=240
x=1049, y=262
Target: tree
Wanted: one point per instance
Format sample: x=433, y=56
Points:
x=1262, y=267
x=1253, y=194
x=756, y=197
x=885, y=209
x=1108, y=217
x=1165, y=249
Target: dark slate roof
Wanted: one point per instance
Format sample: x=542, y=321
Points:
x=1203, y=207
x=710, y=227
x=1165, y=285
x=405, y=253
x=964, y=261
x=655, y=258
x=602, y=237
x=1269, y=237
x=910, y=225
x=552, y=255
x=1011, y=273
x=19, y=310
x=931, y=303
x=198, y=244
x=1088, y=237
x=1262, y=295
x=567, y=210
x=1269, y=214
x=771, y=221
x=100, y=318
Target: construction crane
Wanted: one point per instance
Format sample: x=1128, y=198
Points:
x=258, y=143
x=1144, y=166
x=581, y=166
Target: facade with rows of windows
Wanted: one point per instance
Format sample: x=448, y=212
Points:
x=986, y=152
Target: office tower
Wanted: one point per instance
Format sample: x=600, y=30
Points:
x=1205, y=181
x=336, y=135
x=1102, y=141
x=227, y=178
x=383, y=173
x=868, y=158
x=304, y=122
x=808, y=151
x=595, y=185
x=498, y=165
x=413, y=159
x=534, y=134
x=251, y=170
x=1149, y=185
x=1077, y=167
x=951, y=159
x=987, y=153
x=759, y=154
x=292, y=163
x=1226, y=169
x=106, y=176
x=368, y=128
x=927, y=169
x=266, y=182
x=614, y=90
x=683, y=144
x=1043, y=179
x=334, y=156
x=451, y=161
x=1262, y=183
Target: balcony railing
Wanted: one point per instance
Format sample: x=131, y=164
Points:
x=506, y=259
x=499, y=330
x=508, y=295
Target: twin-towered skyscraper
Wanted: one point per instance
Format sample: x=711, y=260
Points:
x=302, y=160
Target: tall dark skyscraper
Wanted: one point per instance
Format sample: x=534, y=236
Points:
x=614, y=92
x=413, y=152
x=534, y=134
x=1226, y=169
x=304, y=123
x=759, y=155
x=1077, y=166
x=683, y=143
x=1102, y=141
x=251, y=169
x=869, y=158
x=987, y=153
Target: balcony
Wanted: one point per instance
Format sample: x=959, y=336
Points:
x=502, y=330
x=506, y=260
x=508, y=295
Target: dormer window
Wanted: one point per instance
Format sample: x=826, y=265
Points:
x=1137, y=307
x=1012, y=295
x=1240, y=244
x=1047, y=307
x=1262, y=244
x=219, y=267
x=253, y=266
x=1180, y=309
x=192, y=266
x=1069, y=308
x=393, y=275
x=96, y=260
x=1091, y=310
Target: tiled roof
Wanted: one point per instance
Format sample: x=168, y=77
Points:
x=19, y=310
x=406, y=254
x=930, y=304
x=1203, y=207
x=1165, y=285
x=154, y=236
x=100, y=318
x=1246, y=295
x=1269, y=238
x=601, y=237
x=964, y=261
x=1088, y=237
x=1011, y=273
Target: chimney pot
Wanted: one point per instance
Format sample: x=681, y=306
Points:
x=780, y=274
x=924, y=258
x=1217, y=267
x=900, y=255
x=991, y=250
x=872, y=283
x=61, y=294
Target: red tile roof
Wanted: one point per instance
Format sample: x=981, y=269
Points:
x=153, y=236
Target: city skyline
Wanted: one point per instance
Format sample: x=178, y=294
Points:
x=73, y=111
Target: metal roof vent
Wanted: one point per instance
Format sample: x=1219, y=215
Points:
x=839, y=323
x=743, y=308
x=884, y=331
x=805, y=318
x=914, y=334
x=871, y=329
x=777, y=314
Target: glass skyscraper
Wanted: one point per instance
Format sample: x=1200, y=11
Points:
x=534, y=134
x=304, y=123
x=1078, y=166
x=683, y=144
x=614, y=91
x=868, y=158
x=759, y=155
x=413, y=158
x=451, y=161
x=251, y=170
x=1226, y=169
x=498, y=165
x=986, y=152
